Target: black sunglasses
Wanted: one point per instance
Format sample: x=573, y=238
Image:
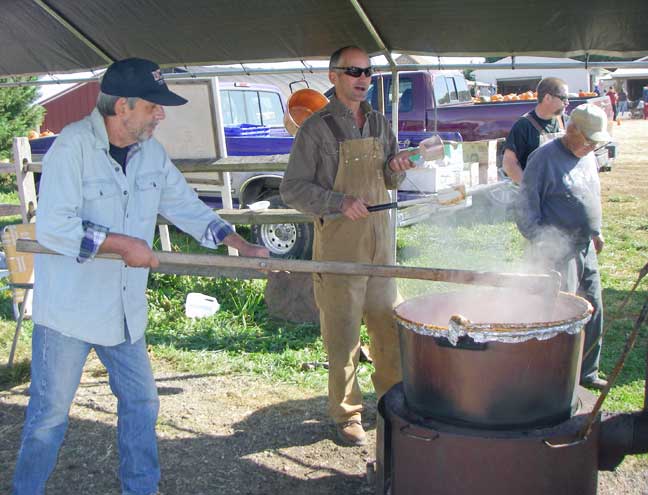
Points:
x=563, y=98
x=356, y=71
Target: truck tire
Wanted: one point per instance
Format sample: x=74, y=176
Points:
x=285, y=240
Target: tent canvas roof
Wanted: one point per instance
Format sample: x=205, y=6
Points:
x=54, y=36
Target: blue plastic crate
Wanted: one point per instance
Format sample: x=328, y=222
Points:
x=246, y=130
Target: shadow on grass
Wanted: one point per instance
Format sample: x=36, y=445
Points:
x=618, y=325
x=273, y=450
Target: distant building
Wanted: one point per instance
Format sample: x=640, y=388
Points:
x=521, y=80
x=632, y=80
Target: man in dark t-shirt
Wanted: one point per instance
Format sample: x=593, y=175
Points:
x=543, y=122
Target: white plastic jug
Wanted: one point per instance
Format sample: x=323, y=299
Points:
x=200, y=305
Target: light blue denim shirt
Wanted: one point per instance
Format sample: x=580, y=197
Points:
x=81, y=182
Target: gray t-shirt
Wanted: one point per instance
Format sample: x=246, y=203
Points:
x=560, y=190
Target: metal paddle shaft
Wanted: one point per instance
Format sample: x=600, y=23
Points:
x=209, y=265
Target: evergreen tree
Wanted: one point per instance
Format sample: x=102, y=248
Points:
x=18, y=114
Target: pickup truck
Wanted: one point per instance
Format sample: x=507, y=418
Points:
x=433, y=101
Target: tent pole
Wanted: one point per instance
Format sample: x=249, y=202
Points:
x=394, y=90
x=74, y=31
x=372, y=31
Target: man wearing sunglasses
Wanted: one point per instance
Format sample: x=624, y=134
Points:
x=536, y=127
x=345, y=158
x=559, y=211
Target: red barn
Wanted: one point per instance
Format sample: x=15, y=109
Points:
x=69, y=106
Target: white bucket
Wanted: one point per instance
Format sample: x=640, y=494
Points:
x=200, y=305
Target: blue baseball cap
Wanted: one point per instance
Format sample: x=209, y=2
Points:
x=137, y=77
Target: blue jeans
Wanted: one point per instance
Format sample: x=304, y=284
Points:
x=56, y=368
x=581, y=277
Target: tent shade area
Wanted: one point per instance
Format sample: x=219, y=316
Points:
x=54, y=36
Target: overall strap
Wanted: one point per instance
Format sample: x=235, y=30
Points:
x=333, y=126
x=534, y=123
x=338, y=135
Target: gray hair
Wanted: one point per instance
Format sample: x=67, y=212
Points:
x=106, y=103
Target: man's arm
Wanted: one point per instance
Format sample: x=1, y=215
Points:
x=180, y=204
x=135, y=252
x=397, y=162
x=299, y=188
x=528, y=211
x=60, y=226
x=512, y=167
x=244, y=247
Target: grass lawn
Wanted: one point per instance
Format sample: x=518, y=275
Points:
x=242, y=339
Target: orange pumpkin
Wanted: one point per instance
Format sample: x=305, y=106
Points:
x=32, y=134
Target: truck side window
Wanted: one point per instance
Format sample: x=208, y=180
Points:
x=226, y=108
x=236, y=108
x=252, y=108
x=462, y=88
x=450, y=81
x=271, y=109
x=441, y=93
x=405, y=95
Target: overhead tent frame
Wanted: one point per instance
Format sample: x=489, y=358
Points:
x=55, y=36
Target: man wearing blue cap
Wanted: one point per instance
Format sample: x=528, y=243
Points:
x=104, y=182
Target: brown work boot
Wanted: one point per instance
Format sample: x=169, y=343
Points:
x=351, y=433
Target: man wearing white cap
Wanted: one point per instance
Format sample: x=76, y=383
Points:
x=559, y=211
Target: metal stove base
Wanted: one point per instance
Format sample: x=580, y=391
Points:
x=417, y=456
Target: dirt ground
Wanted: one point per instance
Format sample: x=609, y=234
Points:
x=236, y=434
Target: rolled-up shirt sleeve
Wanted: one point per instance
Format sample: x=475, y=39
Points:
x=216, y=231
x=181, y=205
x=94, y=235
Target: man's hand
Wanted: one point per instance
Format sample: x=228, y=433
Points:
x=254, y=251
x=135, y=252
x=244, y=247
x=599, y=242
x=401, y=161
x=353, y=208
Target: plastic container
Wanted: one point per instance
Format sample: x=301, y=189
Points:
x=200, y=305
x=429, y=150
x=246, y=130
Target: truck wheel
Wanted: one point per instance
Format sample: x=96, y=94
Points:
x=284, y=240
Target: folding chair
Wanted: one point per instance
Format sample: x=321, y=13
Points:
x=21, y=276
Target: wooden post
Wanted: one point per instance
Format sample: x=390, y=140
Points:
x=165, y=237
x=24, y=179
x=221, y=145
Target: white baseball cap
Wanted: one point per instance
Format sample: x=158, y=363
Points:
x=592, y=121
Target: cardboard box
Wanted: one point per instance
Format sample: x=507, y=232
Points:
x=484, y=153
x=432, y=179
x=471, y=169
x=487, y=173
x=480, y=151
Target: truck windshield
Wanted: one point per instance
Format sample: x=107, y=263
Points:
x=252, y=107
